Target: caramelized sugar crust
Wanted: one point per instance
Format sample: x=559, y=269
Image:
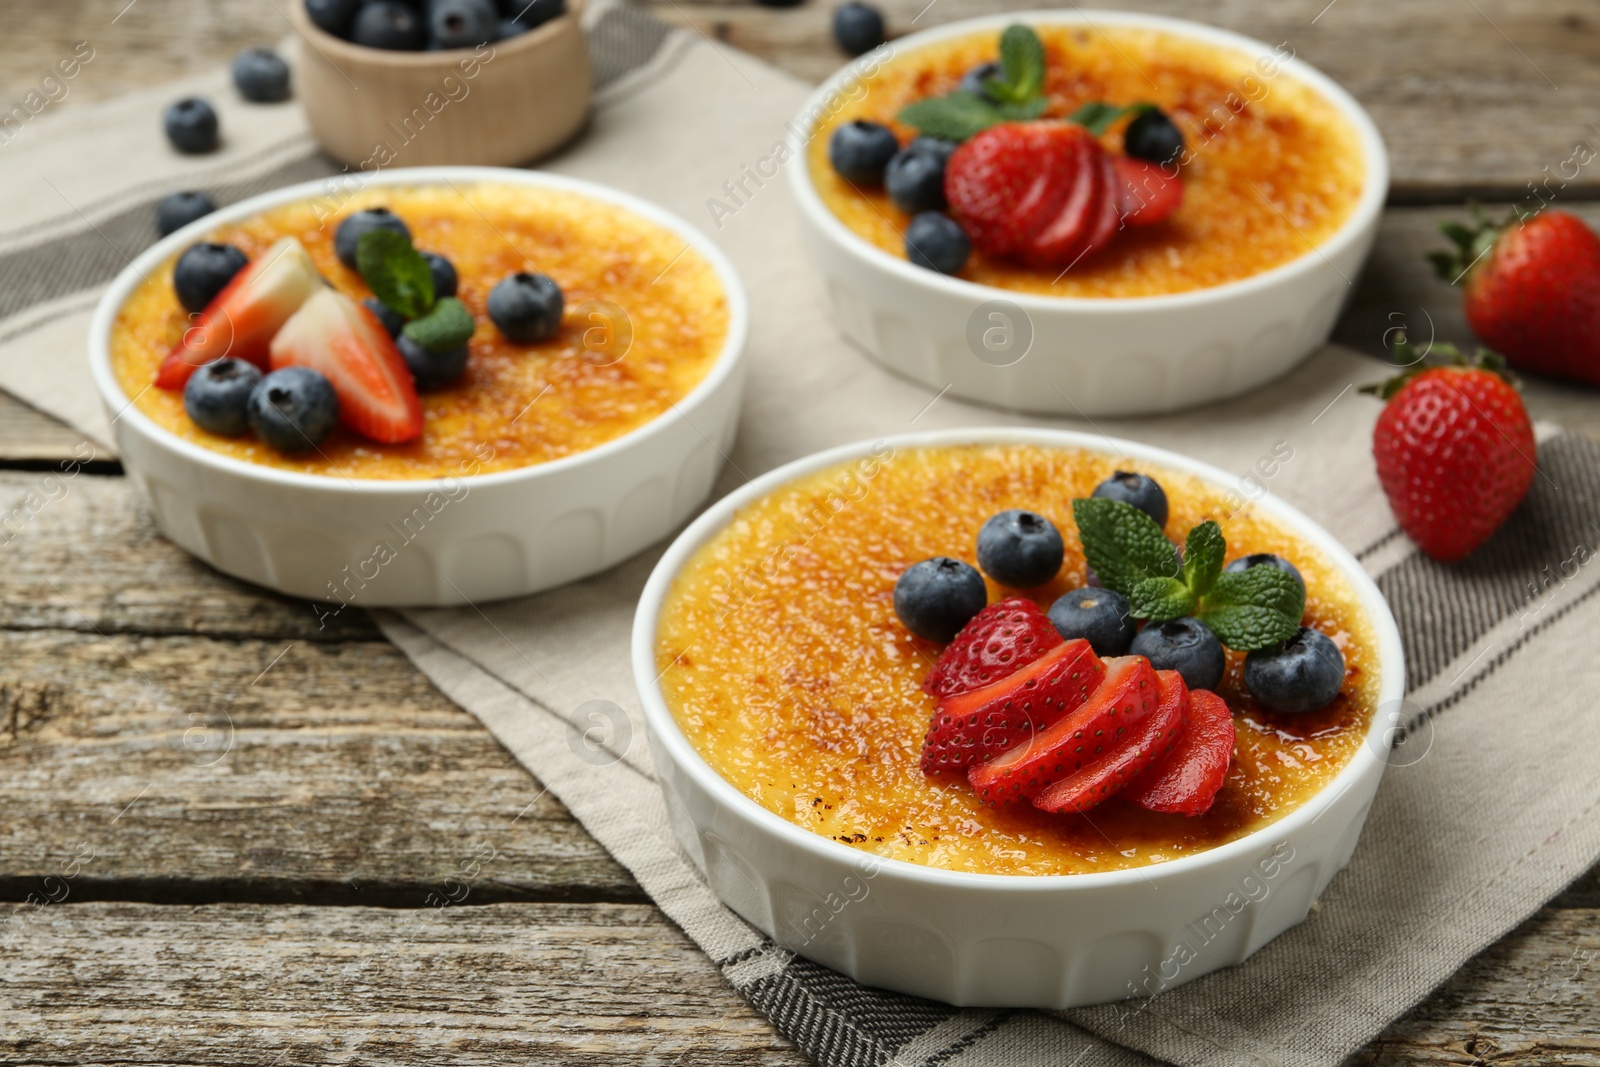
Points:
x=1274, y=171
x=517, y=405
x=782, y=661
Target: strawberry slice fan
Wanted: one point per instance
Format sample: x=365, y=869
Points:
x=1065, y=730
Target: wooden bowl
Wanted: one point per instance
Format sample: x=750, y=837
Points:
x=498, y=105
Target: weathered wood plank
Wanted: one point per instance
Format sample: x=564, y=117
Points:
x=29, y=436
x=566, y=984
x=1528, y=1001
x=1438, y=76
x=185, y=768
x=81, y=552
x=509, y=983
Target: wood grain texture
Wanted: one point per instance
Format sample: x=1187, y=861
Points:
x=189, y=768
x=549, y=984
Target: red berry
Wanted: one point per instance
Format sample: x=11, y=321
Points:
x=1099, y=727
x=974, y=726
x=1534, y=295
x=1149, y=194
x=1002, y=638
x=1007, y=183
x=242, y=319
x=1186, y=781
x=1148, y=741
x=1455, y=454
x=345, y=342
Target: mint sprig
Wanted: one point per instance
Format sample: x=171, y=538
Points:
x=1247, y=610
x=447, y=326
x=1097, y=116
x=395, y=272
x=1017, y=95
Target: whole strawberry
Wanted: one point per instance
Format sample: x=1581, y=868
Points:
x=1455, y=452
x=1532, y=290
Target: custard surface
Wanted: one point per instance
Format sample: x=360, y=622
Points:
x=783, y=663
x=516, y=405
x=1274, y=169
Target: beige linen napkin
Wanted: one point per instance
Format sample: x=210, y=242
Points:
x=1463, y=842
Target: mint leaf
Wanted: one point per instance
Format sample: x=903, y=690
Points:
x=1022, y=60
x=1202, y=557
x=951, y=118
x=1097, y=116
x=395, y=272
x=449, y=325
x=1123, y=544
x=1025, y=112
x=1160, y=599
x=1253, y=609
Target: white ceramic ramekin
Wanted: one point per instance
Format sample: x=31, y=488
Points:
x=971, y=939
x=1085, y=356
x=430, y=541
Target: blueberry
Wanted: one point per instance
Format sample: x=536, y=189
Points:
x=391, y=25
x=334, y=16
x=1142, y=491
x=444, y=275
x=347, y=238
x=1154, y=137
x=177, y=210
x=937, y=597
x=936, y=242
x=432, y=370
x=526, y=307
x=462, y=23
x=1184, y=645
x=531, y=13
x=217, y=395
x=935, y=145
x=915, y=179
x=860, y=150
x=510, y=28
x=293, y=409
x=973, y=80
x=202, y=272
x=192, y=126
x=392, y=320
x=1099, y=616
x=1266, y=559
x=1019, y=548
x=857, y=27
x=1303, y=674
x=261, y=75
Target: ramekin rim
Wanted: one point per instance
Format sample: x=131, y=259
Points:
x=1364, y=215
x=134, y=273
x=664, y=729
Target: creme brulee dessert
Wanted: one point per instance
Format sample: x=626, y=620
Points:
x=787, y=657
x=1120, y=162
x=550, y=323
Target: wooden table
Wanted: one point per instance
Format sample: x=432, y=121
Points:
x=233, y=837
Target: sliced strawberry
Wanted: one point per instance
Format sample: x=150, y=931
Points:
x=1005, y=184
x=1149, y=193
x=1125, y=697
x=345, y=342
x=977, y=725
x=1062, y=240
x=1002, y=638
x=1109, y=221
x=1150, y=740
x=242, y=319
x=1187, y=779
